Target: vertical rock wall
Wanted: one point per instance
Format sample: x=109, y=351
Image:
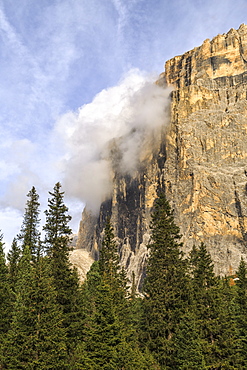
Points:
x=130, y=211
x=201, y=162
x=206, y=168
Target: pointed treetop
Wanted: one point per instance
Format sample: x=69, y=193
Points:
x=57, y=220
x=109, y=258
x=30, y=234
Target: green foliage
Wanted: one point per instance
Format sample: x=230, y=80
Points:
x=109, y=259
x=241, y=311
x=29, y=234
x=212, y=305
x=241, y=283
x=36, y=339
x=5, y=292
x=189, y=347
x=109, y=340
x=189, y=319
x=13, y=257
x=165, y=288
x=202, y=268
x=57, y=233
x=109, y=266
x=6, y=300
x=106, y=297
x=57, y=230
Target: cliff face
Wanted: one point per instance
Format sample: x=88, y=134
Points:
x=205, y=171
x=201, y=162
x=130, y=211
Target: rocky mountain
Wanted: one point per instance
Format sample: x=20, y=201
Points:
x=200, y=160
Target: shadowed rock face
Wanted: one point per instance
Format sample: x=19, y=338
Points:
x=130, y=211
x=201, y=162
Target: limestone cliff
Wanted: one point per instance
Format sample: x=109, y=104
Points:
x=201, y=162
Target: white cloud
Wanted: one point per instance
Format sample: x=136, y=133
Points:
x=119, y=128
x=10, y=221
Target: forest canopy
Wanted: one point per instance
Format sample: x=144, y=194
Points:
x=184, y=318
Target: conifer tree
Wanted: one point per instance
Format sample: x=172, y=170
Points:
x=36, y=339
x=13, y=257
x=57, y=224
x=212, y=305
x=6, y=300
x=5, y=292
x=57, y=234
x=109, y=265
x=109, y=340
x=29, y=234
x=51, y=350
x=81, y=359
x=202, y=268
x=104, y=336
x=241, y=311
x=189, y=347
x=165, y=286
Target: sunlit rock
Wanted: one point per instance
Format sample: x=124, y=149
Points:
x=199, y=159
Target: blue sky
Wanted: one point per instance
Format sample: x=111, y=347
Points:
x=64, y=59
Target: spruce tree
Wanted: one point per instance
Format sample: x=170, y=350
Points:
x=29, y=234
x=36, y=339
x=6, y=300
x=212, y=307
x=189, y=347
x=103, y=338
x=57, y=230
x=81, y=358
x=202, y=268
x=165, y=286
x=241, y=311
x=57, y=246
x=50, y=345
x=109, y=265
x=109, y=340
x=13, y=257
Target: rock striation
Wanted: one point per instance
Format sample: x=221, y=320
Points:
x=205, y=171
x=201, y=162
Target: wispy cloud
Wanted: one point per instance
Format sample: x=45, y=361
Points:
x=24, y=86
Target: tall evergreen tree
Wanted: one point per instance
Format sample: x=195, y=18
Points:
x=57, y=234
x=109, y=340
x=212, y=305
x=109, y=264
x=36, y=339
x=104, y=335
x=165, y=286
x=57, y=224
x=241, y=311
x=13, y=257
x=189, y=347
x=202, y=268
x=6, y=300
x=29, y=234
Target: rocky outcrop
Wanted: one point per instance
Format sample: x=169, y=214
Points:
x=224, y=56
x=205, y=171
x=201, y=162
x=130, y=211
x=82, y=260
